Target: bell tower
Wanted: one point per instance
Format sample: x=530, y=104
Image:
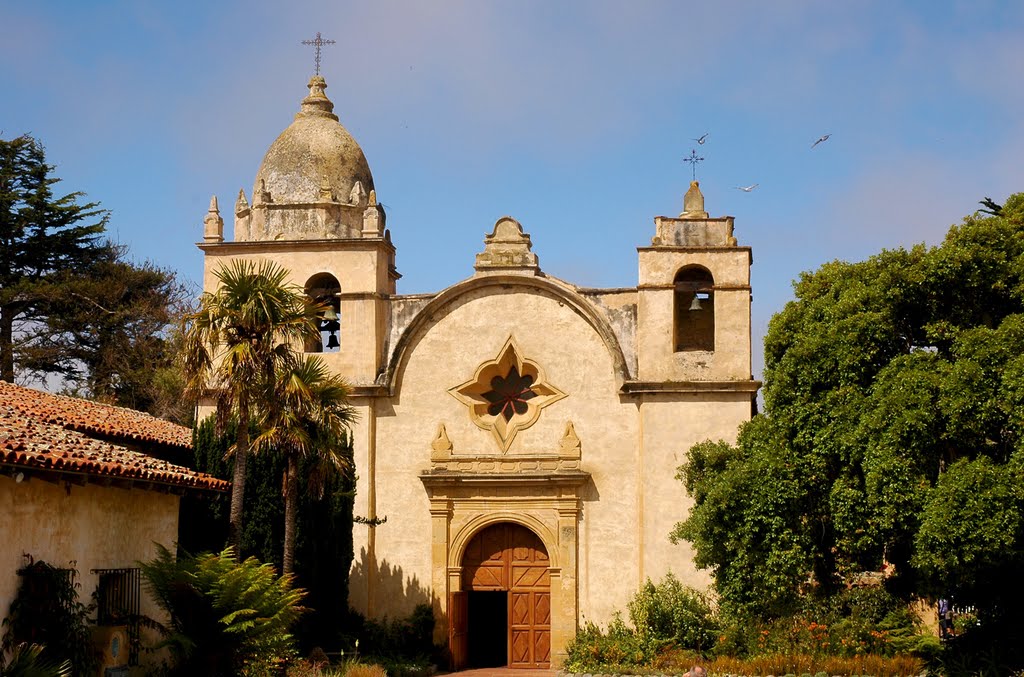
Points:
x=314, y=211
x=693, y=315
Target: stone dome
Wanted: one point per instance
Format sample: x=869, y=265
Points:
x=315, y=159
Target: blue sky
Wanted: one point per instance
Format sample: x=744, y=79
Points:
x=572, y=117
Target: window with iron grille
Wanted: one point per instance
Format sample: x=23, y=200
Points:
x=117, y=603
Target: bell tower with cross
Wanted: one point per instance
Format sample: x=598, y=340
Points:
x=693, y=313
x=313, y=209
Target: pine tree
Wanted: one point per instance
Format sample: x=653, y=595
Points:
x=40, y=236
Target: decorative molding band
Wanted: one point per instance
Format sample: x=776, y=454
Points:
x=491, y=464
x=717, y=287
x=373, y=390
x=644, y=387
x=446, y=479
x=255, y=246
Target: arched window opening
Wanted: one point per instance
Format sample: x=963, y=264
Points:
x=694, y=309
x=323, y=288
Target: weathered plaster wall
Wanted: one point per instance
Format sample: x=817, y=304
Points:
x=671, y=425
x=97, y=527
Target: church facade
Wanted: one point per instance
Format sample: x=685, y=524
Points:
x=520, y=434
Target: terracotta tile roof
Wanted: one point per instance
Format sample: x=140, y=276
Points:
x=55, y=433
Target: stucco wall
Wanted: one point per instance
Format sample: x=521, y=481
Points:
x=627, y=510
x=97, y=527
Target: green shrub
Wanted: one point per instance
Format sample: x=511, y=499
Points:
x=620, y=647
x=47, y=612
x=226, y=617
x=673, y=612
x=403, y=645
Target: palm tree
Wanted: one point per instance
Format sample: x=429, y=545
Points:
x=310, y=418
x=234, y=346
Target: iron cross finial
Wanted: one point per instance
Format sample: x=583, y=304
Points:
x=693, y=159
x=318, y=43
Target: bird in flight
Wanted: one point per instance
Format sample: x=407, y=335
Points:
x=747, y=189
x=821, y=139
x=701, y=140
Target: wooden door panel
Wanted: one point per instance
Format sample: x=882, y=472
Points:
x=542, y=648
x=542, y=609
x=487, y=578
x=521, y=612
x=520, y=649
x=458, y=629
x=511, y=557
x=530, y=577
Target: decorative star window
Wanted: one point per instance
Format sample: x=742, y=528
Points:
x=506, y=394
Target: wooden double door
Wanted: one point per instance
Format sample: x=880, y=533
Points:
x=506, y=585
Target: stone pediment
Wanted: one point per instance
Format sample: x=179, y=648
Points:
x=446, y=458
x=507, y=249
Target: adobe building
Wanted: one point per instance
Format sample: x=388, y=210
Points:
x=91, y=486
x=520, y=434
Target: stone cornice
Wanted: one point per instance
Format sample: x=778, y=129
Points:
x=371, y=390
x=334, y=244
x=691, y=248
x=717, y=287
x=435, y=479
x=646, y=387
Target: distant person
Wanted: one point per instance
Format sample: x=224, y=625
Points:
x=945, y=619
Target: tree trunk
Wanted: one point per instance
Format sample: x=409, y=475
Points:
x=6, y=344
x=238, y=479
x=291, y=509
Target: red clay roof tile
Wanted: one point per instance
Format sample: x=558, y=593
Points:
x=47, y=431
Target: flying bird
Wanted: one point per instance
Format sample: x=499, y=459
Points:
x=821, y=139
x=701, y=140
x=747, y=189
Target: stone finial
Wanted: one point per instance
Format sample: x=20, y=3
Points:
x=570, y=444
x=374, y=220
x=242, y=217
x=373, y=197
x=241, y=204
x=442, y=446
x=507, y=249
x=261, y=195
x=693, y=203
x=358, y=194
x=213, y=224
x=317, y=103
x=326, y=194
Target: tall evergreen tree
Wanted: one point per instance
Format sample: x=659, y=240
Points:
x=41, y=235
x=110, y=333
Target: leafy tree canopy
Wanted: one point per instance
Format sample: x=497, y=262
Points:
x=891, y=437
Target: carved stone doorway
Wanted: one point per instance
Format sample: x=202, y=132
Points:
x=506, y=565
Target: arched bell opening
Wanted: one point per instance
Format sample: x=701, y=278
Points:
x=323, y=289
x=694, y=314
x=506, y=588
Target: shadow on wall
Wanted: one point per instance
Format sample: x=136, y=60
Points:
x=394, y=596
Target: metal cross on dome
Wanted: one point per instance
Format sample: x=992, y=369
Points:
x=693, y=159
x=318, y=43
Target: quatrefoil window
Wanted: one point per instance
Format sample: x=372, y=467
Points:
x=506, y=394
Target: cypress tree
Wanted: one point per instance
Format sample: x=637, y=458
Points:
x=41, y=236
